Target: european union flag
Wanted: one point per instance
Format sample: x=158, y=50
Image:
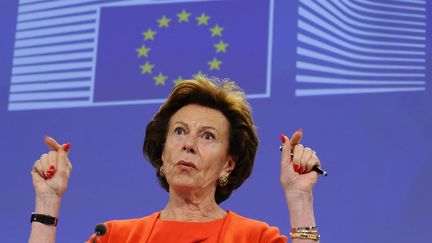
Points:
x=144, y=50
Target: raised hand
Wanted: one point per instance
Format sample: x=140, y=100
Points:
x=50, y=176
x=296, y=165
x=51, y=172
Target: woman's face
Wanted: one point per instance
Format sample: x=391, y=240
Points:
x=195, y=154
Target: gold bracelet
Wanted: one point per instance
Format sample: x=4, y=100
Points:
x=305, y=236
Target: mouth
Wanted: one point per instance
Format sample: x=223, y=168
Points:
x=186, y=164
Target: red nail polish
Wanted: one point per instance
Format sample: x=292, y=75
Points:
x=283, y=139
x=302, y=170
x=52, y=167
x=296, y=167
x=66, y=147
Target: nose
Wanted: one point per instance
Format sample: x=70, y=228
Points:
x=189, y=149
x=189, y=145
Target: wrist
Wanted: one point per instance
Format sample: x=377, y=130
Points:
x=300, y=207
x=48, y=205
x=298, y=196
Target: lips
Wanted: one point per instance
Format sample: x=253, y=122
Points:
x=185, y=163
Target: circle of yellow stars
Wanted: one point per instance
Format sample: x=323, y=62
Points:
x=182, y=17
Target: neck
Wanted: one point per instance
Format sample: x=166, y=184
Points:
x=192, y=206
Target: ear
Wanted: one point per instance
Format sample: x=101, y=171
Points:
x=230, y=164
x=163, y=153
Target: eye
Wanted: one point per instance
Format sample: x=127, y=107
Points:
x=179, y=131
x=208, y=136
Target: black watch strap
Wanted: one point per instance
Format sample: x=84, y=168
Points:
x=44, y=219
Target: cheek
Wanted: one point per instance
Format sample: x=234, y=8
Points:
x=171, y=146
x=213, y=163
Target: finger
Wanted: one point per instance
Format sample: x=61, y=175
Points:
x=63, y=162
x=288, y=144
x=307, y=155
x=286, y=149
x=37, y=168
x=52, y=158
x=313, y=161
x=296, y=137
x=298, y=154
x=44, y=164
x=51, y=143
x=52, y=161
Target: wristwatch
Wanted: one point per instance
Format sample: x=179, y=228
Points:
x=44, y=219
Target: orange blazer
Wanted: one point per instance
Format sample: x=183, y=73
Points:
x=235, y=229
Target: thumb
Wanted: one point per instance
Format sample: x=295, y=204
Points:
x=296, y=137
x=51, y=143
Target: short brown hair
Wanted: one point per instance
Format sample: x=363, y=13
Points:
x=224, y=96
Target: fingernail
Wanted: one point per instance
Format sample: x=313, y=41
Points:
x=300, y=129
x=296, y=167
x=283, y=139
x=66, y=147
x=302, y=170
x=52, y=167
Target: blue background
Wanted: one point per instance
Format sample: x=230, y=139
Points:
x=376, y=148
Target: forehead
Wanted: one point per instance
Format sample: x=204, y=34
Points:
x=197, y=115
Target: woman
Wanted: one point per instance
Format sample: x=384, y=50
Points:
x=202, y=143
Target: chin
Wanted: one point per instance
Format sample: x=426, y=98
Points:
x=182, y=181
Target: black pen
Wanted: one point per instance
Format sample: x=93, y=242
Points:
x=315, y=168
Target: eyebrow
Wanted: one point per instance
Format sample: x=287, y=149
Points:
x=201, y=128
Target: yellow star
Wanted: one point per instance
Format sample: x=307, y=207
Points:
x=143, y=51
x=160, y=79
x=178, y=80
x=214, y=64
x=163, y=22
x=183, y=16
x=202, y=20
x=216, y=31
x=221, y=46
x=146, y=68
x=199, y=74
x=149, y=34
